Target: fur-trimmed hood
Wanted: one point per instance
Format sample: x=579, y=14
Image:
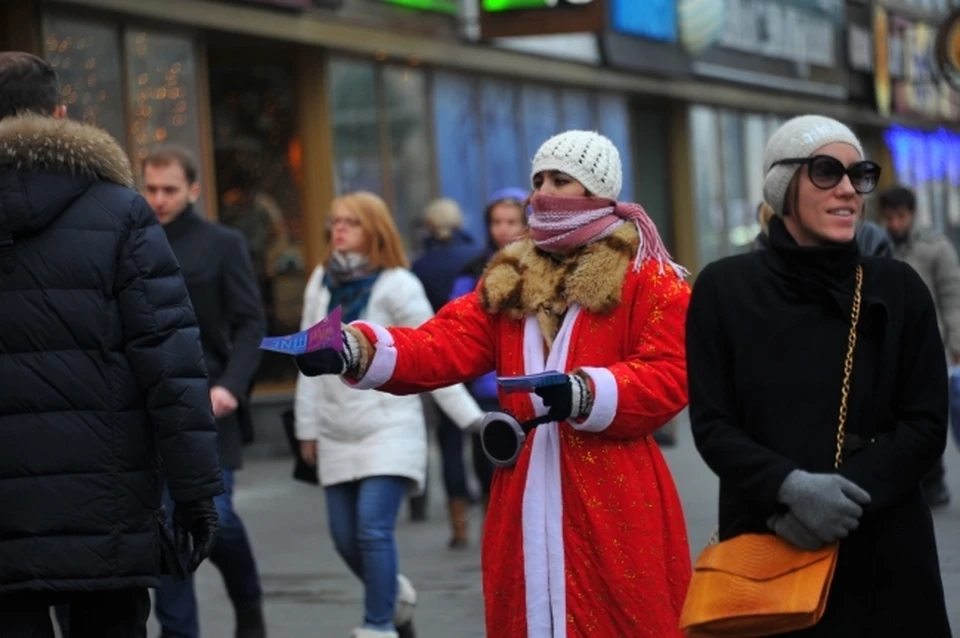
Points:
x=46, y=163
x=522, y=280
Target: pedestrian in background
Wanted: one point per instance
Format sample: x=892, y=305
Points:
x=505, y=217
x=768, y=350
x=585, y=534
x=104, y=388
x=370, y=449
x=933, y=256
x=447, y=250
x=219, y=275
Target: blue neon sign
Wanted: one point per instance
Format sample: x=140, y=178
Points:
x=651, y=19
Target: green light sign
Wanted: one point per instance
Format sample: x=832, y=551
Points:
x=440, y=6
x=510, y=5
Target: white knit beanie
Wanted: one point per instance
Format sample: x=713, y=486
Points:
x=798, y=138
x=586, y=156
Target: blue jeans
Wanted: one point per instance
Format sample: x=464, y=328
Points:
x=176, y=602
x=363, y=517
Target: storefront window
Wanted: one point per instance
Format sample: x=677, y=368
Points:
x=506, y=165
x=577, y=110
x=405, y=91
x=459, y=144
x=356, y=127
x=162, y=88
x=259, y=177
x=613, y=116
x=707, y=178
x=87, y=57
x=541, y=116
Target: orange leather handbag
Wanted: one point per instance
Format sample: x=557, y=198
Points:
x=758, y=584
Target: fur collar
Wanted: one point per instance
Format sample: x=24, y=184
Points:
x=32, y=142
x=522, y=280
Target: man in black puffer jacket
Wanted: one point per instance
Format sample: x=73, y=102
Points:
x=104, y=390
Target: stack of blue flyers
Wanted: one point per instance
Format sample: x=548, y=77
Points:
x=530, y=382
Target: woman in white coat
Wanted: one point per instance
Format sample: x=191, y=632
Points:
x=370, y=448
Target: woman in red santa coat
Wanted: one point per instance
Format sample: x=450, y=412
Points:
x=585, y=534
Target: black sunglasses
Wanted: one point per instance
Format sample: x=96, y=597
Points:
x=826, y=172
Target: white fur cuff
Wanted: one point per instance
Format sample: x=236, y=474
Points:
x=605, y=399
x=384, y=360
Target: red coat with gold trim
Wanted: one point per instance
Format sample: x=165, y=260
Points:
x=585, y=535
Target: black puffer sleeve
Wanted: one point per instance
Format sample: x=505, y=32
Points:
x=163, y=347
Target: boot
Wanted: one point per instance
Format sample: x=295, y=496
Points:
x=403, y=610
x=250, y=623
x=458, y=522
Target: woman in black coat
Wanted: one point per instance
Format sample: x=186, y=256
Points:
x=767, y=337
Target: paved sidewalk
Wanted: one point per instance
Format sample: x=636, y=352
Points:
x=310, y=594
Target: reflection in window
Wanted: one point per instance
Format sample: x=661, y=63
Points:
x=86, y=56
x=356, y=131
x=613, y=114
x=162, y=87
x=259, y=180
x=505, y=163
x=406, y=97
x=705, y=155
x=458, y=156
x=577, y=110
x=541, y=116
x=738, y=212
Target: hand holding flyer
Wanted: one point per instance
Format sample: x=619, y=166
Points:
x=325, y=334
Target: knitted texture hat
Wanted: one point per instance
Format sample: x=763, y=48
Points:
x=798, y=138
x=586, y=156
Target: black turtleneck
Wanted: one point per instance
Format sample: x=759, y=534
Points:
x=767, y=337
x=216, y=267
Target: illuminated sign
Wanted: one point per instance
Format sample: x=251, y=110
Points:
x=439, y=6
x=514, y=5
x=654, y=19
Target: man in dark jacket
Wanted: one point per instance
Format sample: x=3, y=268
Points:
x=216, y=266
x=105, y=392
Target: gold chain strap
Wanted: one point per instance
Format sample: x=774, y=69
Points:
x=848, y=367
x=845, y=388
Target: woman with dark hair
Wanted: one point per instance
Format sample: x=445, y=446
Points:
x=506, y=220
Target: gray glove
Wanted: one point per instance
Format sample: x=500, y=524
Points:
x=828, y=505
x=791, y=530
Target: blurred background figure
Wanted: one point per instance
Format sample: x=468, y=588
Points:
x=506, y=220
x=447, y=250
x=933, y=256
x=370, y=449
x=220, y=278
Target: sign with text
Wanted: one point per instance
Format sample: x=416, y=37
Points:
x=512, y=18
x=920, y=88
x=653, y=19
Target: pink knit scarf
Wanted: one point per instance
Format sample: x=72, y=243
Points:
x=562, y=224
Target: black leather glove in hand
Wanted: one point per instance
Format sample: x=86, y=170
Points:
x=330, y=361
x=566, y=400
x=196, y=521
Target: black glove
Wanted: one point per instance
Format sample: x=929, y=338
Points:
x=330, y=361
x=566, y=400
x=198, y=521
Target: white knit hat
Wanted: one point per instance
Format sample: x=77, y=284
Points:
x=586, y=156
x=798, y=138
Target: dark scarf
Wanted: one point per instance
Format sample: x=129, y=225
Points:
x=349, y=278
x=824, y=273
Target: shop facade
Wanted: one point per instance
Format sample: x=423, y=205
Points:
x=288, y=103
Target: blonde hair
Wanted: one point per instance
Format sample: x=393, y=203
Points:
x=764, y=214
x=443, y=216
x=384, y=247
